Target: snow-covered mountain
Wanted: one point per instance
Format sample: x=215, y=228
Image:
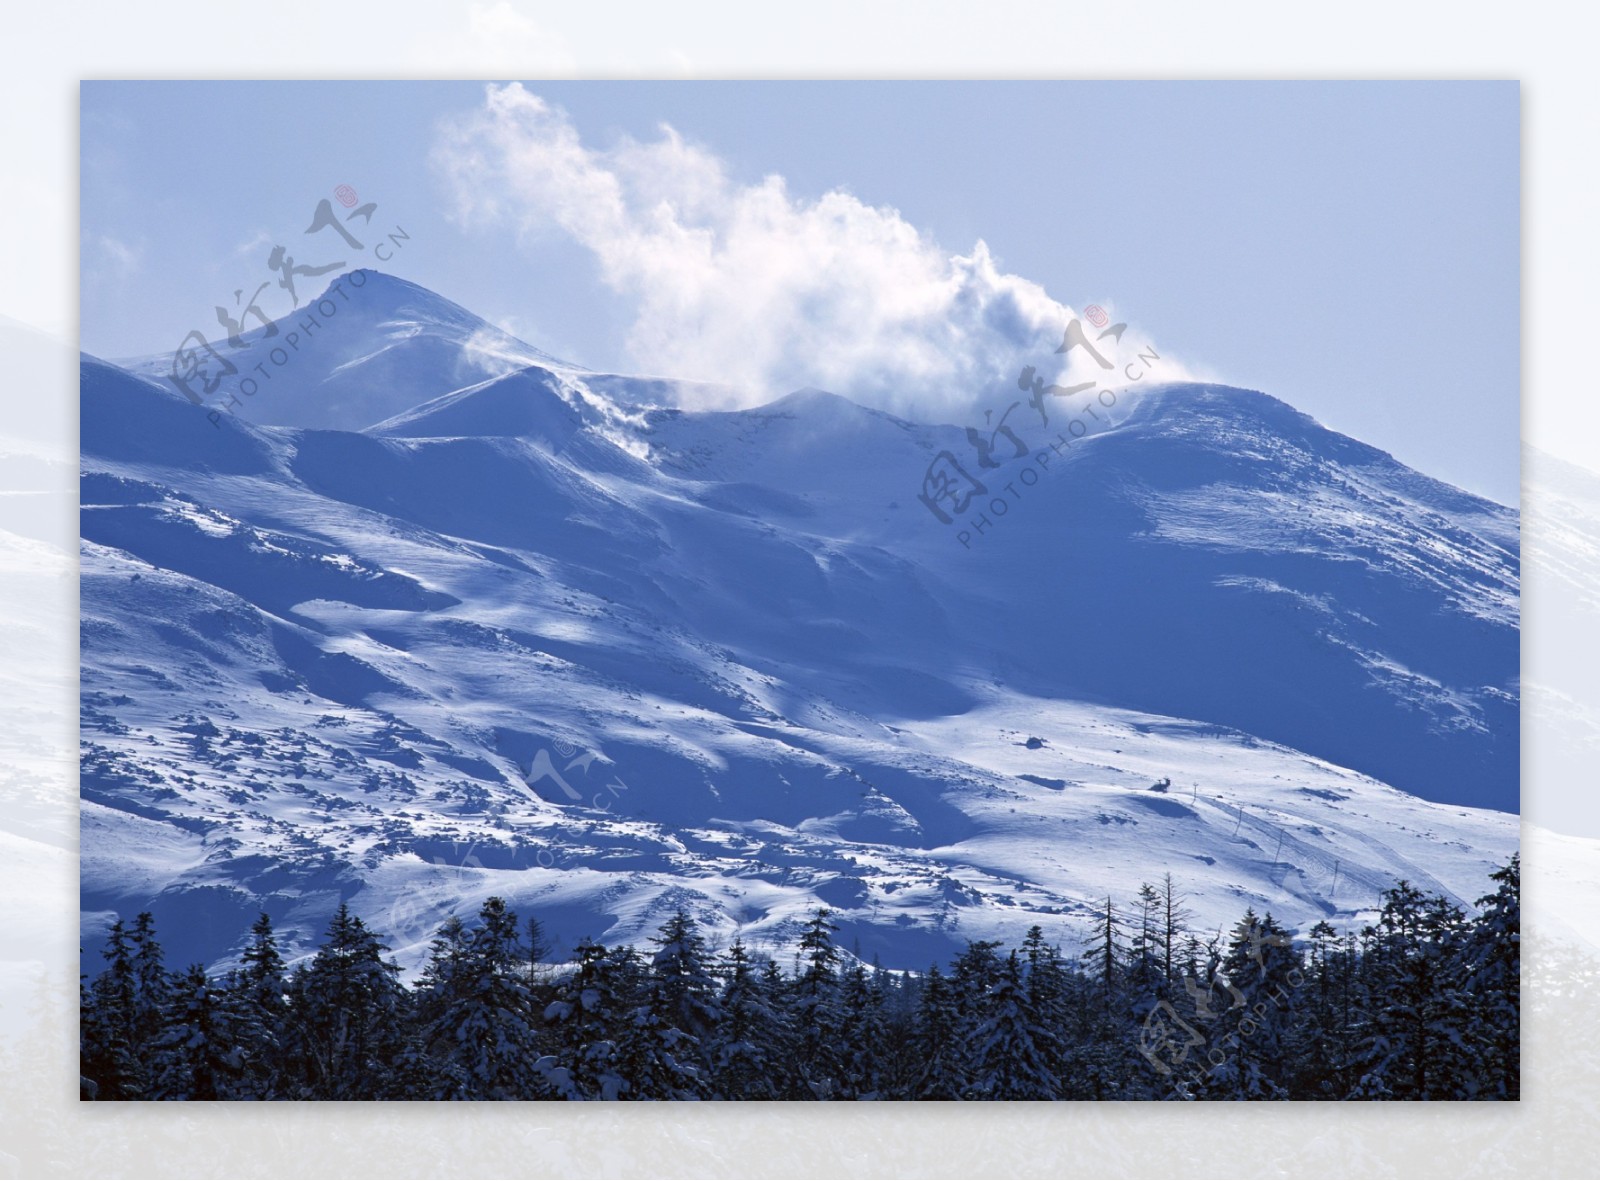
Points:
x=449, y=618
x=357, y=354
x=1560, y=658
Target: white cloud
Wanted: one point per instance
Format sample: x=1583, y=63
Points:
x=259, y=242
x=125, y=258
x=110, y=264
x=748, y=285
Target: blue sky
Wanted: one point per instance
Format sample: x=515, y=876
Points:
x=1351, y=248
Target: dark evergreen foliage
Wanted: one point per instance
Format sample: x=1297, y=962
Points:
x=1423, y=1004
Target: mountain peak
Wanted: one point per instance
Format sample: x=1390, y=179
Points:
x=841, y=658
x=526, y=402
x=369, y=347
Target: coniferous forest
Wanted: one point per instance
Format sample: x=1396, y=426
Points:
x=1423, y=1004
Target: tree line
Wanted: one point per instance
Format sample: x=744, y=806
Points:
x=1422, y=1004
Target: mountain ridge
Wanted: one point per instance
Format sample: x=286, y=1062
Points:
x=749, y=620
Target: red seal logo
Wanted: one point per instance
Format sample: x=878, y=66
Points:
x=347, y=196
x=1096, y=314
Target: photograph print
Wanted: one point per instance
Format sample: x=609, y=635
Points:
x=800, y=591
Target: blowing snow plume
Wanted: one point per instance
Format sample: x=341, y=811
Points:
x=749, y=286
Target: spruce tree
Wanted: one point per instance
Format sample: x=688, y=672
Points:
x=1146, y=957
x=1106, y=955
x=862, y=1036
x=1319, y=1071
x=1013, y=1047
x=488, y=1037
x=659, y=1050
x=128, y=1008
x=113, y=1058
x=1174, y=928
x=261, y=994
x=1105, y=1059
x=939, y=1043
x=584, y=1020
x=1258, y=1044
x=349, y=1009
x=428, y=1066
x=896, y=1000
x=681, y=975
x=814, y=1007
x=1049, y=997
x=1492, y=965
x=152, y=983
x=197, y=1056
x=749, y=1046
x=1414, y=1030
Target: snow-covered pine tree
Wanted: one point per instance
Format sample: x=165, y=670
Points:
x=680, y=973
x=1146, y=981
x=1320, y=1068
x=491, y=1036
x=973, y=976
x=862, y=1036
x=1013, y=1047
x=659, y=1047
x=1106, y=1052
x=197, y=1056
x=260, y=990
x=127, y=1013
x=429, y=1067
x=898, y=1066
x=750, y=1044
x=1413, y=966
x=1493, y=968
x=1049, y=995
x=1145, y=962
x=1107, y=954
x=113, y=1058
x=1260, y=1027
x=939, y=1042
x=1174, y=927
x=584, y=1019
x=152, y=982
x=349, y=1011
x=654, y=1057
x=814, y=1010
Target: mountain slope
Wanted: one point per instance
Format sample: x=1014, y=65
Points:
x=538, y=634
x=1563, y=677
x=359, y=352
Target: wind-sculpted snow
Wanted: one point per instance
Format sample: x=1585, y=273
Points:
x=536, y=634
x=370, y=347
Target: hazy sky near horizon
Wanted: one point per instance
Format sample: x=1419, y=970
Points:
x=1352, y=248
